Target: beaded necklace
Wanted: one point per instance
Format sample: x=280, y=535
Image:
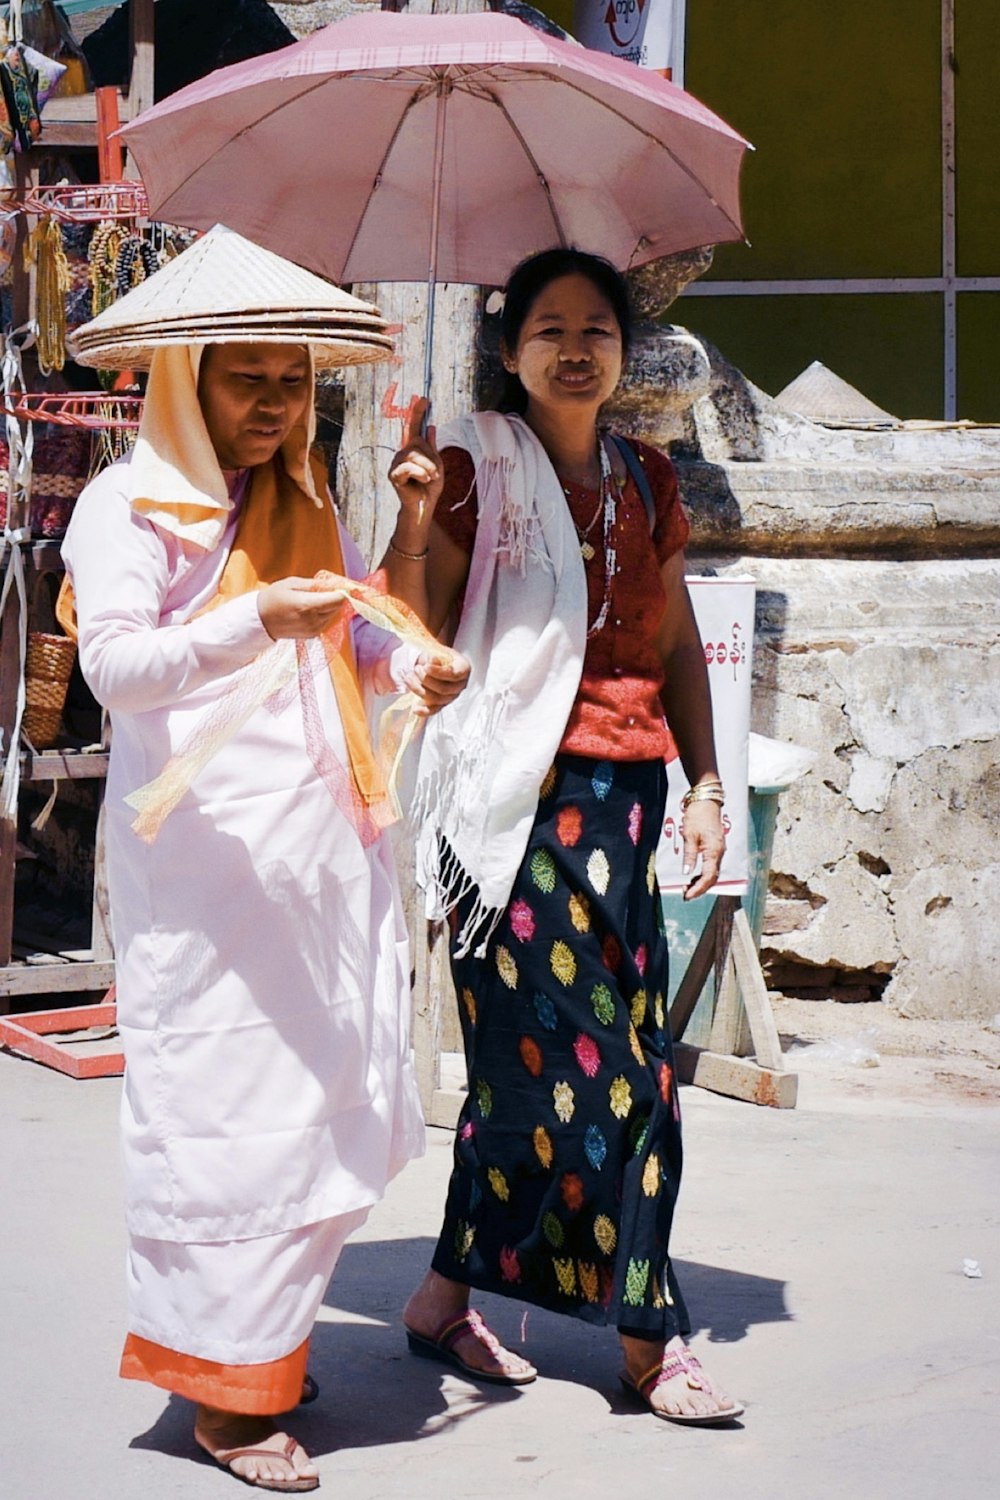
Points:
x=609, y=499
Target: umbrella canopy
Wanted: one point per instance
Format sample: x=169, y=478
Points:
x=392, y=147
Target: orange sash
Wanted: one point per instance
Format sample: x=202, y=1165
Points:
x=281, y=533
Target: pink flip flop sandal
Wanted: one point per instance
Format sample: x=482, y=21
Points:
x=670, y=1365
x=441, y=1346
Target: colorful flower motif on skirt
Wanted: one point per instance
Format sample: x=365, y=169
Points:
x=531, y=1055
x=543, y=871
x=659, y=1011
x=587, y=1055
x=569, y=826
x=579, y=912
x=589, y=1282
x=464, y=1237
x=552, y=1229
x=638, y=1131
x=469, y=1001
x=651, y=1175
x=620, y=1095
x=651, y=873
x=499, y=1184
x=603, y=779
x=548, y=783
x=635, y=823
x=522, y=921
x=637, y=1005
x=546, y=1012
x=484, y=1098
x=636, y=1281
x=542, y=1142
x=506, y=967
x=599, y=871
x=605, y=1234
x=566, y=1276
x=510, y=1266
x=571, y=1188
x=636, y=1045
x=666, y=1082
x=595, y=1147
x=641, y=958
x=611, y=953
x=563, y=1102
x=563, y=963
x=603, y=1002
x=475, y=1197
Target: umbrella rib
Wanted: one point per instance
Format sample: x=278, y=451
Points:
x=542, y=179
x=244, y=130
x=664, y=147
x=414, y=98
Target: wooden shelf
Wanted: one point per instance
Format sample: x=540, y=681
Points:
x=64, y=765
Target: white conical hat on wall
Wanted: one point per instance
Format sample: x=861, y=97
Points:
x=826, y=398
x=222, y=290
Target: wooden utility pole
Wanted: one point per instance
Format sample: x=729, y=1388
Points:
x=377, y=398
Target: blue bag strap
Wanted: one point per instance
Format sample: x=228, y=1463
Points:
x=638, y=473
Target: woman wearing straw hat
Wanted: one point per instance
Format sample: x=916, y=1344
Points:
x=261, y=957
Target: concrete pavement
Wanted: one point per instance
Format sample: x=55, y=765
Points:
x=820, y=1250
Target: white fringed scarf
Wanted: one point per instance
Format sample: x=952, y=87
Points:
x=524, y=629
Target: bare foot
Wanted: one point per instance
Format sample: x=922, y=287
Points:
x=683, y=1391
x=277, y=1462
x=432, y=1306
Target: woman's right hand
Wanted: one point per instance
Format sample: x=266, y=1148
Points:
x=417, y=475
x=295, y=609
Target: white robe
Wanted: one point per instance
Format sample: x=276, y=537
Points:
x=261, y=955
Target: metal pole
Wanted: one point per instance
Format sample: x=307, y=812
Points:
x=443, y=90
x=948, y=238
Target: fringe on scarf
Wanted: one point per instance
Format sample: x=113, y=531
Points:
x=438, y=802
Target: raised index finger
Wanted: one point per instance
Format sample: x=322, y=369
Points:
x=414, y=420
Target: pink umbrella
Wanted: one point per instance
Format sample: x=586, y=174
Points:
x=393, y=147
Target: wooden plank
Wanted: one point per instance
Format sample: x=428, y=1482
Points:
x=54, y=979
x=32, y=1036
x=735, y=1077
x=763, y=1031
x=64, y=765
x=695, y=975
x=141, y=28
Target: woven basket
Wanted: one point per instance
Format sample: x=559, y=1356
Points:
x=49, y=664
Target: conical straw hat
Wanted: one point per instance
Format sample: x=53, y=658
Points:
x=826, y=398
x=225, y=289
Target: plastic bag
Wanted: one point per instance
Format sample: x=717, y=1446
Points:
x=47, y=31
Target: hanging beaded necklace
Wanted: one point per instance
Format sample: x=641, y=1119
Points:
x=607, y=506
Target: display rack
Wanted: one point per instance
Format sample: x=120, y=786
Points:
x=83, y=122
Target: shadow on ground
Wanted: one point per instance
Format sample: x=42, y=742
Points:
x=373, y=1389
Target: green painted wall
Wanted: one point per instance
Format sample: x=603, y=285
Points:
x=842, y=101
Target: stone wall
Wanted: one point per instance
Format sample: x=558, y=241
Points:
x=877, y=560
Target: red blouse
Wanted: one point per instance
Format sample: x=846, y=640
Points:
x=617, y=714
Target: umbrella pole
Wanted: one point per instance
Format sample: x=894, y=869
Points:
x=443, y=90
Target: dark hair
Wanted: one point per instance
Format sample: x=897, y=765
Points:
x=530, y=278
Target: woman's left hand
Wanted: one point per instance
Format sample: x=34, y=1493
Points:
x=436, y=679
x=702, y=832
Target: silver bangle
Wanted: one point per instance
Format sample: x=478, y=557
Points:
x=410, y=556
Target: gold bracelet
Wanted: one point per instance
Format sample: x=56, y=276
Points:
x=410, y=556
x=705, y=791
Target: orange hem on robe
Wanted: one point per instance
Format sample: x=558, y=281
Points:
x=255, y=1390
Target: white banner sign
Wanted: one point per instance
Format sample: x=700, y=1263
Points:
x=647, y=32
x=724, y=609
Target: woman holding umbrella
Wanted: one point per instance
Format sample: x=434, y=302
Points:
x=552, y=556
